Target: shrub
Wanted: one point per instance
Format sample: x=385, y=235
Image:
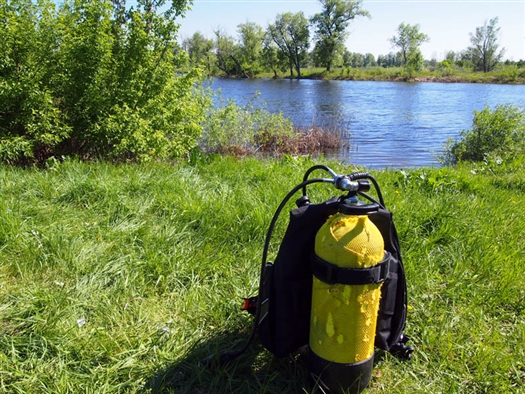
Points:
x=95, y=79
x=499, y=132
x=230, y=128
x=247, y=130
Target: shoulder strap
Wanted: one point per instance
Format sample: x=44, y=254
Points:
x=288, y=287
x=392, y=316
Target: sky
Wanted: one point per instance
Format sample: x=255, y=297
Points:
x=447, y=22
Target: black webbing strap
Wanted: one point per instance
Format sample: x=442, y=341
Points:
x=332, y=274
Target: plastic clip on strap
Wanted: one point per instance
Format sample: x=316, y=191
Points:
x=331, y=273
x=401, y=350
x=250, y=305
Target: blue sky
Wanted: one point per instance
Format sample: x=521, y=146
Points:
x=447, y=22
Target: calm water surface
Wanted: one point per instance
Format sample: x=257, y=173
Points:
x=390, y=124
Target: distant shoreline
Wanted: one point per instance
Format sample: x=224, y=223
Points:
x=505, y=78
x=448, y=79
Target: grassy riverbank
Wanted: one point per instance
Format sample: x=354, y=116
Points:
x=120, y=278
x=502, y=75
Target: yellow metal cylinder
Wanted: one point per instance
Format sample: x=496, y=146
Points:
x=343, y=317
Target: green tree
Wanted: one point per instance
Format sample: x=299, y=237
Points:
x=354, y=59
x=452, y=57
x=390, y=60
x=464, y=60
x=228, y=55
x=484, y=52
x=331, y=27
x=317, y=57
x=370, y=60
x=251, y=45
x=408, y=40
x=347, y=58
x=291, y=35
x=240, y=57
x=200, y=51
x=95, y=79
x=271, y=57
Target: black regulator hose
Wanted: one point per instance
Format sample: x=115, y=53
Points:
x=366, y=175
x=312, y=169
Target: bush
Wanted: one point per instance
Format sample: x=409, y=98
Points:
x=95, y=79
x=499, y=132
x=230, y=128
x=247, y=130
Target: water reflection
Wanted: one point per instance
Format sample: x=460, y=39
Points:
x=391, y=123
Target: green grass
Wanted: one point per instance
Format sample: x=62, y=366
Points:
x=121, y=278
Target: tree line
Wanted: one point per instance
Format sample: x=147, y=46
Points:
x=294, y=41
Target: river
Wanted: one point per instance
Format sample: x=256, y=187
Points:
x=389, y=124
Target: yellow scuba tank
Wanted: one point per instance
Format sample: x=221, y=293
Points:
x=332, y=305
x=349, y=269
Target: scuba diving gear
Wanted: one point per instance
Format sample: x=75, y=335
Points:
x=337, y=284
